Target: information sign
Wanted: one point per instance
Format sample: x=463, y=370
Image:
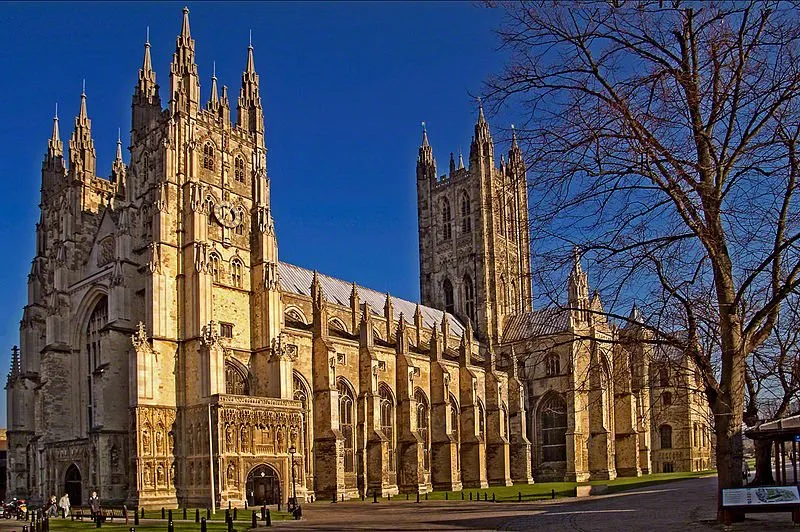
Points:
x=760, y=496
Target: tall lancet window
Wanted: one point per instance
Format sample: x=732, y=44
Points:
x=236, y=273
x=213, y=267
x=449, y=299
x=208, y=156
x=423, y=425
x=469, y=299
x=238, y=169
x=94, y=356
x=387, y=423
x=447, y=217
x=346, y=425
x=466, y=215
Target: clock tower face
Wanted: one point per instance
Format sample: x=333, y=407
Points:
x=226, y=214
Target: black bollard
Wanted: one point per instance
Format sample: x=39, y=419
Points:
x=208, y=513
x=470, y=495
x=184, y=513
x=342, y=497
x=170, y=526
x=136, y=518
x=197, y=515
x=230, y=526
x=553, y=494
x=485, y=496
x=234, y=514
x=269, y=518
x=374, y=496
x=203, y=525
x=163, y=516
x=462, y=495
x=445, y=496
x=406, y=496
x=279, y=504
x=263, y=513
x=142, y=513
x=389, y=497
x=98, y=521
x=417, y=496
x=493, y=497
x=169, y=516
x=227, y=515
x=229, y=505
x=334, y=498
x=254, y=521
x=519, y=496
x=426, y=495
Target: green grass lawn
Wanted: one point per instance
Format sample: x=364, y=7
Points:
x=544, y=490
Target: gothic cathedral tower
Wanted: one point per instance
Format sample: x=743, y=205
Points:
x=473, y=238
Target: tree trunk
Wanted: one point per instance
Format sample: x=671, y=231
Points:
x=763, y=475
x=728, y=430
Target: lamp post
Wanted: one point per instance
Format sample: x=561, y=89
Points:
x=293, y=450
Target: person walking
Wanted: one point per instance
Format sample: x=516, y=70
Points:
x=94, y=505
x=63, y=503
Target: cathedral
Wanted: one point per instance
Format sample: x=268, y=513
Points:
x=169, y=358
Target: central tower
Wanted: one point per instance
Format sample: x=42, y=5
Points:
x=474, y=246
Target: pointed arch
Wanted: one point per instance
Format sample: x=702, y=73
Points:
x=95, y=326
x=423, y=426
x=242, y=217
x=447, y=219
x=237, y=380
x=214, y=266
x=238, y=169
x=335, y=324
x=236, y=272
x=387, y=408
x=295, y=314
x=466, y=214
x=512, y=298
x=302, y=393
x=665, y=436
x=449, y=298
x=552, y=423
x=209, y=156
x=469, y=298
x=347, y=421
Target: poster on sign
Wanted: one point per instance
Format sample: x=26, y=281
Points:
x=760, y=496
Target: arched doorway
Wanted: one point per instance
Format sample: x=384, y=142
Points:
x=263, y=486
x=72, y=485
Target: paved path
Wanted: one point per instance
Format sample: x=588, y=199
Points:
x=682, y=505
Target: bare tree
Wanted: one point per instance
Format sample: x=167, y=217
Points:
x=662, y=138
x=773, y=381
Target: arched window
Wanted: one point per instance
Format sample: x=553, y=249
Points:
x=501, y=296
x=302, y=394
x=346, y=425
x=238, y=169
x=511, y=226
x=663, y=376
x=449, y=300
x=208, y=156
x=455, y=428
x=239, y=229
x=553, y=426
x=481, y=420
x=422, y=427
x=665, y=432
x=236, y=382
x=236, y=273
x=469, y=298
x=666, y=397
x=387, y=423
x=447, y=228
x=214, y=267
x=466, y=216
x=97, y=321
x=553, y=365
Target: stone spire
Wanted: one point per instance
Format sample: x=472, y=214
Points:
x=147, y=88
x=515, y=161
x=213, y=101
x=184, y=82
x=118, y=166
x=578, y=287
x=482, y=145
x=16, y=367
x=452, y=164
x=250, y=112
x=55, y=148
x=426, y=164
x=460, y=160
x=82, y=156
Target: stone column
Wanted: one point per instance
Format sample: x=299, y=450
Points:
x=445, y=473
x=520, y=448
x=473, y=445
x=411, y=476
x=497, y=447
x=626, y=435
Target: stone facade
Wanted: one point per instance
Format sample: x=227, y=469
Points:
x=168, y=357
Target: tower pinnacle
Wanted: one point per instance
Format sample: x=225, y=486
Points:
x=251, y=115
x=82, y=156
x=55, y=148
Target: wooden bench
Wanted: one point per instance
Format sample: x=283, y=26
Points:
x=765, y=499
x=81, y=512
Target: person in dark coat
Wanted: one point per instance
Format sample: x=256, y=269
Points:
x=94, y=504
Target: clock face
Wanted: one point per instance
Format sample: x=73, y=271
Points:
x=226, y=214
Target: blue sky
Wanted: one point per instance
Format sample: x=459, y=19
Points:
x=345, y=87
